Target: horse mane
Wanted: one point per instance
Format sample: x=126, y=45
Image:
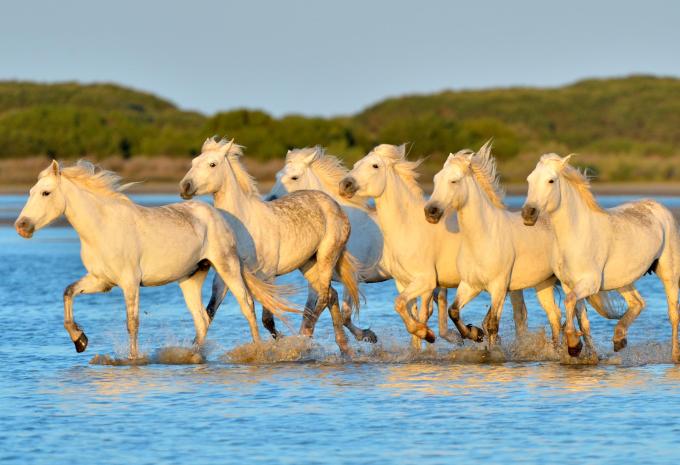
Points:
x=405, y=169
x=233, y=154
x=578, y=179
x=330, y=171
x=93, y=179
x=483, y=168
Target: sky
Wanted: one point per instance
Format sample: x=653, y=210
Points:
x=332, y=58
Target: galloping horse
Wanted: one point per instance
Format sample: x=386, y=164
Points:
x=127, y=245
x=313, y=168
x=421, y=256
x=306, y=230
x=597, y=249
x=497, y=252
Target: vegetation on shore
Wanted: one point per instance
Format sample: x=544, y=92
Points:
x=624, y=129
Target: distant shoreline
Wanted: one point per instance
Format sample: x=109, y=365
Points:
x=641, y=189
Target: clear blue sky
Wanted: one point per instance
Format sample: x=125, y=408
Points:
x=325, y=58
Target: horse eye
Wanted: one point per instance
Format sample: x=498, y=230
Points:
x=213, y=164
x=375, y=165
x=453, y=182
x=45, y=193
x=294, y=178
x=551, y=181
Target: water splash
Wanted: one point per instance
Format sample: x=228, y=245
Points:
x=164, y=356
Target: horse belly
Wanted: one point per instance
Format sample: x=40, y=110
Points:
x=163, y=262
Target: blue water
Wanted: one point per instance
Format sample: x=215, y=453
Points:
x=299, y=402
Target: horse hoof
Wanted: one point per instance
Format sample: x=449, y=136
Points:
x=574, y=351
x=81, y=343
x=276, y=335
x=620, y=344
x=369, y=336
x=429, y=336
x=476, y=334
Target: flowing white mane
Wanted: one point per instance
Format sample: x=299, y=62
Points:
x=233, y=152
x=483, y=167
x=329, y=169
x=576, y=178
x=93, y=179
x=405, y=169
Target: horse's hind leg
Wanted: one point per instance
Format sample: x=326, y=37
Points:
x=228, y=266
x=635, y=304
x=191, y=289
x=88, y=284
x=219, y=291
x=338, y=322
x=519, y=313
x=131, y=294
x=269, y=324
x=359, y=333
x=670, y=284
x=546, y=298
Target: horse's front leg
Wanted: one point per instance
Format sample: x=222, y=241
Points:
x=492, y=320
x=443, y=318
x=88, y=284
x=464, y=294
x=545, y=295
x=580, y=291
x=131, y=294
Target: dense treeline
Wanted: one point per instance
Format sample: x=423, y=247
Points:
x=614, y=119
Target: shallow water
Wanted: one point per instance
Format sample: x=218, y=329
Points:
x=298, y=401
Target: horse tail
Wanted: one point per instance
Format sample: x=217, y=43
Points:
x=611, y=309
x=270, y=295
x=347, y=269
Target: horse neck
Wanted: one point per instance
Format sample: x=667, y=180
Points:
x=573, y=219
x=84, y=211
x=230, y=197
x=398, y=209
x=478, y=216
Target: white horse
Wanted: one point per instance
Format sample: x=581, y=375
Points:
x=306, y=230
x=597, y=249
x=313, y=168
x=419, y=254
x=497, y=252
x=127, y=245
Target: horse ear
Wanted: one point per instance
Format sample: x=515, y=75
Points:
x=312, y=155
x=228, y=147
x=565, y=160
x=56, y=170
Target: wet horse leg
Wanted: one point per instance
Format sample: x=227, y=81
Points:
x=191, y=290
x=464, y=294
x=635, y=304
x=88, y=284
x=359, y=333
x=443, y=319
x=546, y=298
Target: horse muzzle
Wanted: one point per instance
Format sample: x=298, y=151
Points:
x=348, y=187
x=187, y=190
x=529, y=214
x=24, y=227
x=433, y=213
